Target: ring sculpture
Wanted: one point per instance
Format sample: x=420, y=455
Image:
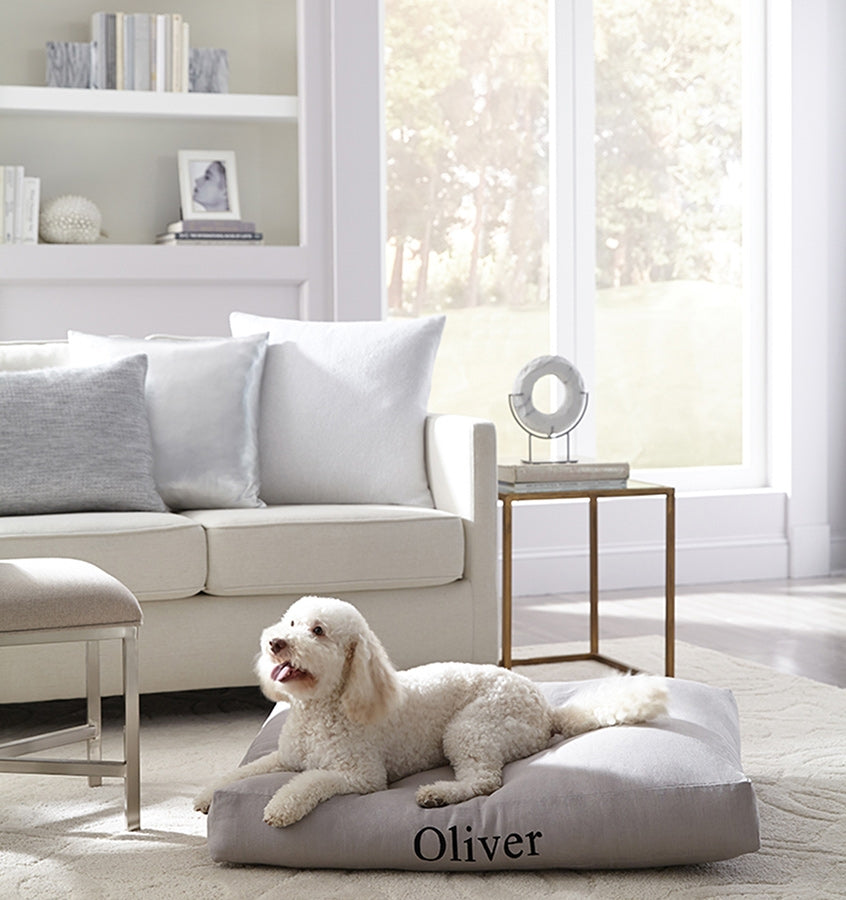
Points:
x=568, y=414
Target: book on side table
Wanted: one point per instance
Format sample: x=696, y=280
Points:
x=530, y=477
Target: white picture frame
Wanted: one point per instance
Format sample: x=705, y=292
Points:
x=208, y=184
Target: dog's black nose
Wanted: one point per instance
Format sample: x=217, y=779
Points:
x=277, y=645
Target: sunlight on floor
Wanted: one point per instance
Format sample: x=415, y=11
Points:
x=798, y=627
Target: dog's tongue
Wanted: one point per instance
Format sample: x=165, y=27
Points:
x=284, y=672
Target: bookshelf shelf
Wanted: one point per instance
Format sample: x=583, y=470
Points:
x=29, y=100
x=91, y=263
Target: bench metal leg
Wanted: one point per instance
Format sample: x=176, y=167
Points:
x=94, y=748
x=132, y=731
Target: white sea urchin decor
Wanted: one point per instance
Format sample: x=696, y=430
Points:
x=70, y=220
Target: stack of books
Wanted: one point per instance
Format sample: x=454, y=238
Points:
x=19, y=203
x=139, y=51
x=190, y=232
x=535, y=477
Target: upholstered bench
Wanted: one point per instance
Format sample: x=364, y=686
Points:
x=669, y=792
x=50, y=601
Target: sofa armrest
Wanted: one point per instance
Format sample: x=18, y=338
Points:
x=461, y=467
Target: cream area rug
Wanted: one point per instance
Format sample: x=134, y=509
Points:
x=59, y=838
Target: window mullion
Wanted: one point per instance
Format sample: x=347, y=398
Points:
x=573, y=196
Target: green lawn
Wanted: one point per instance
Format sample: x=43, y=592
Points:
x=669, y=372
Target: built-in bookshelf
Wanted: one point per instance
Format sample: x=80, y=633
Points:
x=301, y=115
x=119, y=148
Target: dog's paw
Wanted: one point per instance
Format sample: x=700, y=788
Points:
x=430, y=797
x=283, y=811
x=203, y=800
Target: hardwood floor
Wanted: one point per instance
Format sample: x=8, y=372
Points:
x=796, y=626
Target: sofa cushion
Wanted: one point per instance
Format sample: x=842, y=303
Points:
x=671, y=792
x=76, y=439
x=330, y=548
x=158, y=556
x=203, y=400
x=343, y=409
x=19, y=356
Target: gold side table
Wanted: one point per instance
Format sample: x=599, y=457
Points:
x=593, y=495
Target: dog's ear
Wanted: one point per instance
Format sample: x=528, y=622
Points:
x=373, y=690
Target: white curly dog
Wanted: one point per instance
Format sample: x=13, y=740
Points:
x=356, y=724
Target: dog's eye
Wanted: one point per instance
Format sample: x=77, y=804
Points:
x=318, y=630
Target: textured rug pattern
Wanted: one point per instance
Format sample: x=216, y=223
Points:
x=60, y=838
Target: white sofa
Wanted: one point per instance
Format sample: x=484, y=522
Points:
x=210, y=579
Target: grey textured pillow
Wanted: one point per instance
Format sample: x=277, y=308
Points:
x=203, y=402
x=73, y=440
x=668, y=793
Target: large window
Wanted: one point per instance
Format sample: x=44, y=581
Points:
x=674, y=361
x=678, y=263
x=467, y=118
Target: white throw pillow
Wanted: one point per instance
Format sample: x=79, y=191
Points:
x=343, y=409
x=203, y=402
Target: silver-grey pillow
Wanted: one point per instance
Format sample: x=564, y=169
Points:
x=671, y=792
x=75, y=440
x=203, y=402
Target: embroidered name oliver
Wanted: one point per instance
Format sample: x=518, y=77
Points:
x=431, y=845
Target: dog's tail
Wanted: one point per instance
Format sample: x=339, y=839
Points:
x=624, y=700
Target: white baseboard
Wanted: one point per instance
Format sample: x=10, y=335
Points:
x=550, y=572
x=838, y=555
x=736, y=536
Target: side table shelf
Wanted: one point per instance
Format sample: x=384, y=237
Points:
x=593, y=495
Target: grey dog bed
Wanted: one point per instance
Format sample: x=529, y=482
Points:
x=670, y=792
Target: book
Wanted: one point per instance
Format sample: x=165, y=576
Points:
x=127, y=22
x=10, y=200
x=165, y=242
x=120, y=43
x=30, y=206
x=98, y=50
x=210, y=225
x=176, y=52
x=211, y=237
x=17, y=207
x=159, y=76
x=546, y=474
x=141, y=51
x=186, y=58
x=540, y=487
x=110, y=68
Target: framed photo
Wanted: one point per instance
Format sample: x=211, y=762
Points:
x=208, y=184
